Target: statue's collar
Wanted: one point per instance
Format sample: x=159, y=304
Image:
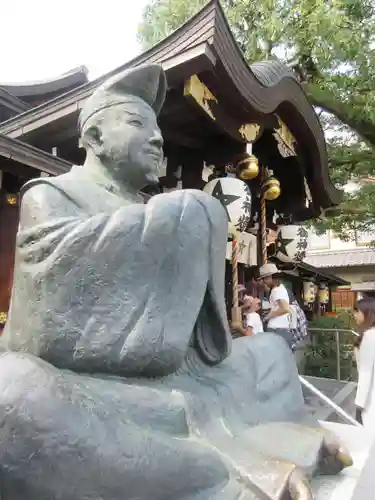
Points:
x=107, y=183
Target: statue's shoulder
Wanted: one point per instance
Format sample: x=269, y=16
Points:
x=56, y=182
x=45, y=188
x=66, y=190
x=15, y=368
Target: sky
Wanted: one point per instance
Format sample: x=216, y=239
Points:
x=42, y=39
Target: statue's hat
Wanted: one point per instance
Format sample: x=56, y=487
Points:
x=148, y=82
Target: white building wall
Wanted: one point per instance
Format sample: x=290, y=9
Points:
x=330, y=242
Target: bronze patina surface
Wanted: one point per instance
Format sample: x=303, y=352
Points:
x=121, y=380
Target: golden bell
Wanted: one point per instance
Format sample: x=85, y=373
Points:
x=248, y=168
x=272, y=189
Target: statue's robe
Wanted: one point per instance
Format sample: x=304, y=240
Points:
x=121, y=384
x=108, y=286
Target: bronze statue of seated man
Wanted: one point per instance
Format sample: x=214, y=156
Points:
x=120, y=380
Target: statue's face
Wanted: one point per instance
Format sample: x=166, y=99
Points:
x=131, y=144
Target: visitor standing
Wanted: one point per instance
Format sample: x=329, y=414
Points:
x=364, y=315
x=278, y=319
x=298, y=321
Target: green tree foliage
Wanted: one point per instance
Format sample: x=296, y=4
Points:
x=321, y=354
x=331, y=45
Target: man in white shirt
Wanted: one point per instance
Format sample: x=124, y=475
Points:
x=278, y=319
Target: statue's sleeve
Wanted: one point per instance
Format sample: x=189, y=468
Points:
x=123, y=292
x=53, y=222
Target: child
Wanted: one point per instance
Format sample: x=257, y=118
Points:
x=253, y=322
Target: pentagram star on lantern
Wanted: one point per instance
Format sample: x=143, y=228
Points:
x=282, y=243
x=225, y=199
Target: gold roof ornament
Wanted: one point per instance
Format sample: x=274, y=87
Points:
x=250, y=131
x=248, y=167
x=271, y=186
x=286, y=141
x=11, y=199
x=201, y=94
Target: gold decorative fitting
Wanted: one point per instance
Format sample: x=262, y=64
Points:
x=286, y=140
x=11, y=199
x=201, y=94
x=272, y=189
x=3, y=317
x=248, y=168
x=249, y=131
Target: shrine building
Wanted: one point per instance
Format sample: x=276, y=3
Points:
x=217, y=109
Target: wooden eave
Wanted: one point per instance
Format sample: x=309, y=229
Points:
x=205, y=45
x=269, y=87
x=74, y=78
x=189, y=47
x=12, y=102
x=198, y=58
x=302, y=270
x=32, y=157
x=324, y=275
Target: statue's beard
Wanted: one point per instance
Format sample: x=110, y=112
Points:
x=139, y=172
x=152, y=177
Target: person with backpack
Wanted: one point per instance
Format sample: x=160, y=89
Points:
x=298, y=321
x=278, y=318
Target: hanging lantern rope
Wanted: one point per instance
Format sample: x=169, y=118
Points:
x=263, y=219
x=235, y=196
x=235, y=302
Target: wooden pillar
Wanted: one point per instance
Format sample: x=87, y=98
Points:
x=9, y=218
x=263, y=220
x=192, y=168
x=317, y=308
x=329, y=305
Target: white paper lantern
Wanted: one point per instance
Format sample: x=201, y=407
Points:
x=323, y=294
x=247, y=249
x=235, y=196
x=291, y=243
x=309, y=292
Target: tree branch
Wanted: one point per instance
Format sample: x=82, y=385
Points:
x=343, y=111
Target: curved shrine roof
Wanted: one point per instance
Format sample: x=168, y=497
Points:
x=42, y=90
x=206, y=47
